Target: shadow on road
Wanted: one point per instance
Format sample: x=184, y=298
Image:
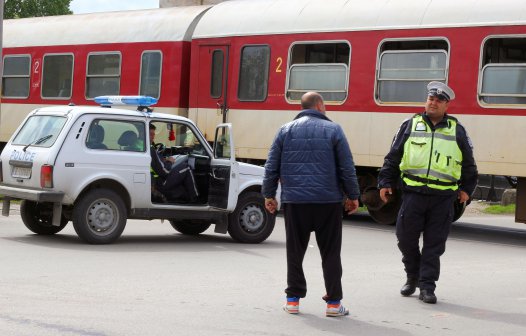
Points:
x=460, y=230
x=489, y=234
x=152, y=243
x=484, y=314
x=349, y=326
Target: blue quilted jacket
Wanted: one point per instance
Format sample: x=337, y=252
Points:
x=311, y=159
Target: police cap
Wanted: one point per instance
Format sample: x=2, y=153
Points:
x=440, y=90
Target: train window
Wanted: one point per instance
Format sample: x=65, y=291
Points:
x=253, y=73
x=503, y=71
x=151, y=74
x=57, y=76
x=406, y=67
x=216, y=82
x=15, y=78
x=321, y=67
x=103, y=74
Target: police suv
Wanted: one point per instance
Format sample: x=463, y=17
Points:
x=91, y=165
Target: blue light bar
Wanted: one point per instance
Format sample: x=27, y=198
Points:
x=126, y=100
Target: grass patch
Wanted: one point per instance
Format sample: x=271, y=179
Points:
x=362, y=209
x=500, y=209
x=12, y=201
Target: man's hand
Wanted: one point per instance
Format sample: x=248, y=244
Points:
x=463, y=196
x=384, y=193
x=271, y=205
x=351, y=206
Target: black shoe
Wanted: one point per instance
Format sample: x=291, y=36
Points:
x=409, y=287
x=428, y=296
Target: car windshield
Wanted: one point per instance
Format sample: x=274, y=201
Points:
x=40, y=130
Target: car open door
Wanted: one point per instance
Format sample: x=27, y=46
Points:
x=224, y=170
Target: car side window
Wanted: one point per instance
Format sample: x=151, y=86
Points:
x=119, y=135
x=178, y=138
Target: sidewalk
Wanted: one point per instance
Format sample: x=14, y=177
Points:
x=476, y=208
x=15, y=208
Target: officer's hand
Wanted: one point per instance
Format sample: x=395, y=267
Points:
x=351, y=206
x=463, y=196
x=384, y=193
x=271, y=205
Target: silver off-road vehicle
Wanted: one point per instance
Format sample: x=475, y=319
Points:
x=91, y=165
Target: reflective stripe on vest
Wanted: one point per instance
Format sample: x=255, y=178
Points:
x=153, y=173
x=432, y=158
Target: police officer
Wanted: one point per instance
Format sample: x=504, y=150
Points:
x=432, y=155
x=172, y=179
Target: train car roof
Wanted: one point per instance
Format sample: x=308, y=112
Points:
x=257, y=17
x=162, y=24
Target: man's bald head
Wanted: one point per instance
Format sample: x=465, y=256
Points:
x=312, y=101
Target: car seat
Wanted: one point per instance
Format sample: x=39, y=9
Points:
x=96, y=137
x=129, y=141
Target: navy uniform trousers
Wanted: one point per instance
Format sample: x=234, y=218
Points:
x=179, y=183
x=432, y=215
x=326, y=221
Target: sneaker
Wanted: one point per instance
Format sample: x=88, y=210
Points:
x=335, y=308
x=292, y=306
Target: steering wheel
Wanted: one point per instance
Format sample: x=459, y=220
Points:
x=159, y=147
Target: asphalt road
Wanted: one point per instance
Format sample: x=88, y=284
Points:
x=155, y=281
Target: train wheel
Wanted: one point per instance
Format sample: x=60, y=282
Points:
x=387, y=214
x=458, y=209
x=382, y=213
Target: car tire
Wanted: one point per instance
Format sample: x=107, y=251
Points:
x=99, y=216
x=190, y=227
x=250, y=222
x=38, y=218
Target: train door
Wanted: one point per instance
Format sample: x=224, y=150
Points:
x=212, y=103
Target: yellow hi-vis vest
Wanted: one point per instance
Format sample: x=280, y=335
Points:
x=432, y=158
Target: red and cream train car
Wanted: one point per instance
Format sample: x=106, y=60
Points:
x=371, y=60
x=248, y=63
x=74, y=58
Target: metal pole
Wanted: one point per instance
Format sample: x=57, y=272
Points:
x=1, y=42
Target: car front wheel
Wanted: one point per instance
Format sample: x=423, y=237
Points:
x=250, y=222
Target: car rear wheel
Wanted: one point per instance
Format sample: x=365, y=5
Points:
x=190, y=227
x=250, y=222
x=99, y=217
x=38, y=217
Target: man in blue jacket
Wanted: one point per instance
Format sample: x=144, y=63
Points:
x=311, y=159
